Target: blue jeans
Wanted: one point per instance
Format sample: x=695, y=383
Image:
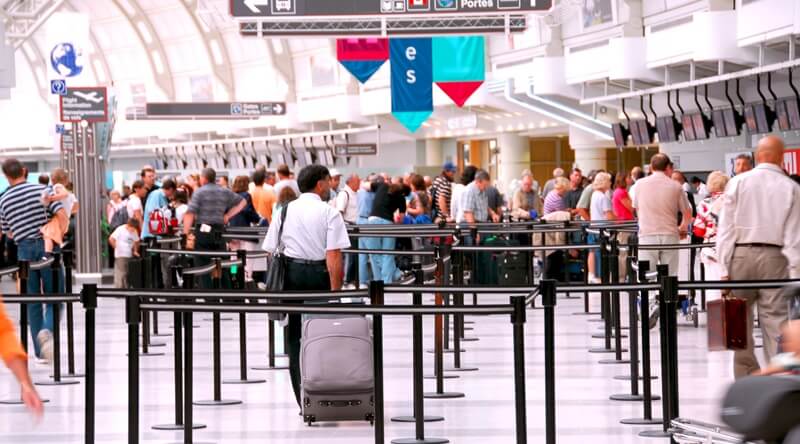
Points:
x=383, y=265
x=592, y=239
x=363, y=269
x=40, y=316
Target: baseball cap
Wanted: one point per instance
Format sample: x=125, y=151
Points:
x=334, y=172
x=449, y=166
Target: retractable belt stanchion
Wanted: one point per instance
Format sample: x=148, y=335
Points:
x=605, y=306
x=585, y=258
x=216, y=279
x=418, y=418
x=156, y=271
x=613, y=269
x=23, y=275
x=175, y=271
x=89, y=301
x=376, y=298
x=67, y=259
x=55, y=271
x=458, y=323
x=132, y=317
x=147, y=282
x=457, y=263
x=442, y=277
x=666, y=368
x=188, y=377
x=548, y=291
x=240, y=283
x=633, y=342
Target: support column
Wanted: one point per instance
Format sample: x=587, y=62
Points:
x=590, y=151
x=515, y=157
x=434, y=155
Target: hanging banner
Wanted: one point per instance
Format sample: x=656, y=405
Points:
x=791, y=161
x=412, y=81
x=362, y=57
x=458, y=66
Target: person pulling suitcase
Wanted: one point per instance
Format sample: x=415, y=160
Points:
x=312, y=235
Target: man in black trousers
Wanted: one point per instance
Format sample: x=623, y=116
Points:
x=312, y=238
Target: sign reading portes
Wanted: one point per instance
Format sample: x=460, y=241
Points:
x=85, y=103
x=326, y=8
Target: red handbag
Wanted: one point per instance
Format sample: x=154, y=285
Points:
x=727, y=324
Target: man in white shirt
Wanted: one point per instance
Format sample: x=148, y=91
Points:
x=347, y=205
x=285, y=180
x=312, y=238
x=758, y=238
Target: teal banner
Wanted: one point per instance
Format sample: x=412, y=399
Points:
x=459, y=66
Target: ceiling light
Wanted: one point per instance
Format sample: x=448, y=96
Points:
x=508, y=115
x=517, y=113
x=499, y=128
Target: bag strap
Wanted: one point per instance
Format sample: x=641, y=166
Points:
x=284, y=210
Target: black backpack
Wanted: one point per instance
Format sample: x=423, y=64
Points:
x=119, y=218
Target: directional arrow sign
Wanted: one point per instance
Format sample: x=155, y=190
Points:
x=89, y=104
x=241, y=110
x=381, y=8
x=253, y=5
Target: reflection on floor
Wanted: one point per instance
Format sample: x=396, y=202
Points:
x=269, y=413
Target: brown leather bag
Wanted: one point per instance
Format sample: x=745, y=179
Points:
x=727, y=324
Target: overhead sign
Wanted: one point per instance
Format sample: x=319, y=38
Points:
x=216, y=109
x=84, y=103
x=327, y=8
x=356, y=149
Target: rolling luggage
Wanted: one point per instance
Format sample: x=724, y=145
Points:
x=487, y=269
x=512, y=269
x=336, y=367
x=763, y=407
x=727, y=324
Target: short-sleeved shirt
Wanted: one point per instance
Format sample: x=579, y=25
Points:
x=572, y=197
x=134, y=204
x=657, y=200
x=442, y=186
x=494, y=198
x=263, y=200
x=600, y=205
x=312, y=229
x=553, y=202
x=365, y=201
x=476, y=202
x=157, y=199
x=622, y=213
x=386, y=203
x=210, y=203
x=585, y=200
x=22, y=211
x=347, y=204
x=125, y=240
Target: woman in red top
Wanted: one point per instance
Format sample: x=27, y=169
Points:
x=15, y=359
x=623, y=209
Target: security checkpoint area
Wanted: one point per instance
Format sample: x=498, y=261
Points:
x=399, y=221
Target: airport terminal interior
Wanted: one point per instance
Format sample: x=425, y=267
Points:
x=405, y=221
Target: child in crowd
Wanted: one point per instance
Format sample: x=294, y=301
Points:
x=54, y=231
x=125, y=242
x=788, y=361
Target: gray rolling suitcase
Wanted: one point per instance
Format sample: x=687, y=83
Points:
x=336, y=367
x=763, y=407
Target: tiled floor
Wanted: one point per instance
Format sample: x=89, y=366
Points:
x=268, y=414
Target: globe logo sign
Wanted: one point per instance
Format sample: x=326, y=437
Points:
x=65, y=60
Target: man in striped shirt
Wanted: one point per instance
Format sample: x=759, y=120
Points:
x=22, y=216
x=441, y=190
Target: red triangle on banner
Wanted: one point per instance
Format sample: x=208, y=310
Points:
x=459, y=92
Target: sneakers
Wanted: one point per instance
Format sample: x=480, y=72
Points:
x=594, y=279
x=654, y=313
x=348, y=287
x=45, y=339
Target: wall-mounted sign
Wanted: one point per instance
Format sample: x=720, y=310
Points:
x=327, y=8
x=470, y=121
x=216, y=109
x=356, y=149
x=84, y=103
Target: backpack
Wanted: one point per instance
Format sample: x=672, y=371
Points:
x=161, y=221
x=119, y=218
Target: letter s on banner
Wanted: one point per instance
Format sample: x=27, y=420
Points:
x=412, y=80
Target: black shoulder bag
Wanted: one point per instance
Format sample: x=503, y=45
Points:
x=276, y=272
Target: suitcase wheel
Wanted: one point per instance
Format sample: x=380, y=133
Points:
x=309, y=419
x=371, y=418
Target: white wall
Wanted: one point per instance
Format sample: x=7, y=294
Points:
x=706, y=155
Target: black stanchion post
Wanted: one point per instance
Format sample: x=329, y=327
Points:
x=671, y=315
x=216, y=280
x=666, y=377
x=605, y=297
x=633, y=341
x=89, y=300
x=548, y=289
x=376, y=298
x=418, y=418
x=188, y=378
x=55, y=271
x=703, y=291
x=66, y=257
x=240, y=282
x=613, y=272
x=132, y=316
x=147, y=282
x=24, y=274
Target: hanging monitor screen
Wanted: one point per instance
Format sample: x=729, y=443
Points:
x=688, y=128
x=757, y=118
x=788, y=114
x=725, y=122
x=640, y=130
x=620, y=135
x=667, y=128
x=699, y=124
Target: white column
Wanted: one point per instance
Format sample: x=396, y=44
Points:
x=515, y=157
x=433, y=153
x=590, y=151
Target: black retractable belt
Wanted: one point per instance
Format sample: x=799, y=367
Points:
x=55, y=271
x=67, y=258
x=241, y=255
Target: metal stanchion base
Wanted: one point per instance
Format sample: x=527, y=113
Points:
x=221, y=319
x=602, y=328
x=614, y=361
x=443, y=377
x=156, y=344
x=629, y=397
x=56, y=383
x=461, y=369
x=470, y=339
x=277, y=367
x=244, y=381
x=465, y=328
x=655, y=434
x=641, y=421
x=628, y=377
x=213, y=403
x=160, y=335
x=450, y=350
x=412, y=419
x=604, y=350
x=469, y=322
x=445, y=395
x=420, y=441
x=602, y=336
x=18, y=401
x=76, y=375
x=176, y=427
